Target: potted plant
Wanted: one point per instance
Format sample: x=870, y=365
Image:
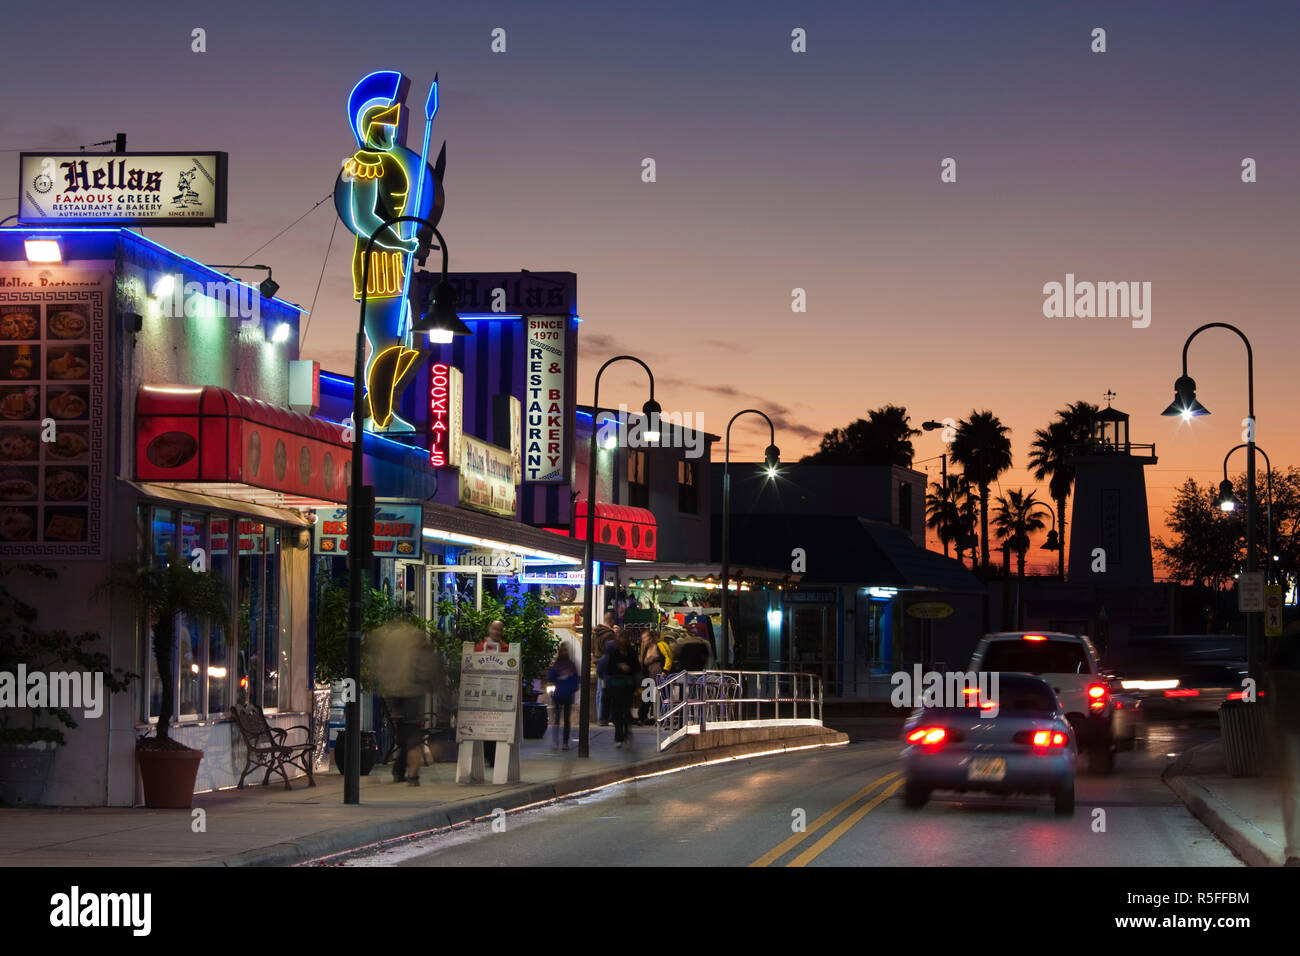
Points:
x=162, y=592
x=27, y=753
x=526, y=624
x=331, y=661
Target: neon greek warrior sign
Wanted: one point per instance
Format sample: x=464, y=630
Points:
x=383, y=179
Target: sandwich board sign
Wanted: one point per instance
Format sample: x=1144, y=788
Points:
x=489, y=709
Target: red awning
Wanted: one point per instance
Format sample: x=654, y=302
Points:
x=632, y=529
x=205, y=433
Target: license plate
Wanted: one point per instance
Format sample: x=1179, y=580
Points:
x=987, y=768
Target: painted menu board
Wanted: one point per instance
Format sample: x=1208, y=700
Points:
x=53, y=324
x=489, y=691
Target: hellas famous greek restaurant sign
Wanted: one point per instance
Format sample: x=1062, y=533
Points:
x=149, y=189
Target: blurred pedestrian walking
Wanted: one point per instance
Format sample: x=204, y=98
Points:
x=563, y=676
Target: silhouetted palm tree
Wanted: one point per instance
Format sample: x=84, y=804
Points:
x=951, y=512
x=1048, y=454
x=983, y=450
x=1015, y=519
x=884, y=437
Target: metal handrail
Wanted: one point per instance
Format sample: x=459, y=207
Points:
x=690, y=701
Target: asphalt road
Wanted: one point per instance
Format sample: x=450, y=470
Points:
x=849, y=799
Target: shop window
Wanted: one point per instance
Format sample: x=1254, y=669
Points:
x=688, y=486
x=191, y=632
x=249, y=539
x=162, y=540
x=219, y=663
x=638, y=481
x=275, y=652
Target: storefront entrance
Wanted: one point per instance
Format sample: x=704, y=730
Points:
x=811, y=636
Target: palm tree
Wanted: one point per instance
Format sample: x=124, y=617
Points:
x=163, y=591
x=1048, y=458
x=951, y=512
x=884, y=437
x=983, y=450
x=1015, y=519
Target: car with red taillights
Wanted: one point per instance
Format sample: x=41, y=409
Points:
x=1104, y=719
x=1017, y=741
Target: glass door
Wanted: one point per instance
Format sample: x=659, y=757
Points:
x=458, y=586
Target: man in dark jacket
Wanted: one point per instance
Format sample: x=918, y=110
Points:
x=622, y=675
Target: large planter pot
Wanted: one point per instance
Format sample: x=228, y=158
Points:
x=534, y=721
x=168, y=777
x=369, y=751
x=23, y=772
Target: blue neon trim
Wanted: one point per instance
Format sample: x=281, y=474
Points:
x=476, y=316
x=157, y=245
x=422, y=452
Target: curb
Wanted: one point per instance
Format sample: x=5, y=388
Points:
x=1244, y=839
x=338, y=841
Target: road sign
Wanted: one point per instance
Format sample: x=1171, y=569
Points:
x=1273, y=599
x=1250, y=591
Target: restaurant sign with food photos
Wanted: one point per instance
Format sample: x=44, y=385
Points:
x=398, y=530
x=53, y=324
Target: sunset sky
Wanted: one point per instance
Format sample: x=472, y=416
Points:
x=775, y=170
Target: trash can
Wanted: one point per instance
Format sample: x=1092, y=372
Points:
x=1243, y=727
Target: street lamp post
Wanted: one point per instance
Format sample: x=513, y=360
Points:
x=772, y=458
x=1228, y=502
x=651, y=411
x=443, y=324
x=1053, y=542
x=1187, y=407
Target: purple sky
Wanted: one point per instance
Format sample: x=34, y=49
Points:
x=775, y=170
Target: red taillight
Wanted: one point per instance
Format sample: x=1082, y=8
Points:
x=1034, y=637
x=1042, y=738
x=928, y=735
x=1096, y=696
x=1183, y=692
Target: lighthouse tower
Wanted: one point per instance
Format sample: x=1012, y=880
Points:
x=1110, y=505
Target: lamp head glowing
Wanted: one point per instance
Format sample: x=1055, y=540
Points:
x=165, y=286
x=1185, y=405
x=651, y=411
x=439, y=319
x=772, y=458
x=281, y=333
x=43, y=250
x=1227, y=499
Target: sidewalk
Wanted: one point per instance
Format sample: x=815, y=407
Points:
x=269, y=826
x=1243, y=812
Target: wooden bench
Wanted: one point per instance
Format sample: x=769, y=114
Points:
x=267, y=746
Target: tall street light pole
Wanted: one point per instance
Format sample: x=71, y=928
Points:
x=441, y=322
x=651, y=411
x=1187, y=407
x=1228, y=502
x=772, y=458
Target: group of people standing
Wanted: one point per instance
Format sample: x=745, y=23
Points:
x=620, y=669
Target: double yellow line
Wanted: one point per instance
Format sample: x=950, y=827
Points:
x=810, y=854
